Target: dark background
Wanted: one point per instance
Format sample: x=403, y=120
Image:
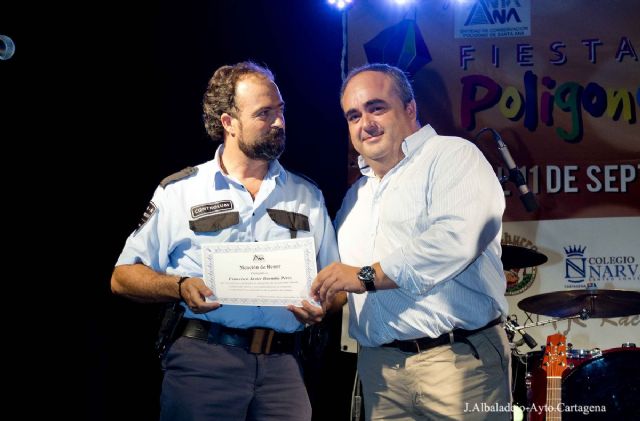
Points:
x=99, y=103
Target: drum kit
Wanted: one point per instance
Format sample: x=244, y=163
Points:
x=592, y=383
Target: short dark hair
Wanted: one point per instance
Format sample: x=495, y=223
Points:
x=400, y=81
x=219, y=98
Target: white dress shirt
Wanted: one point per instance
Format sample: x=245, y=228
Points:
x=434, y=223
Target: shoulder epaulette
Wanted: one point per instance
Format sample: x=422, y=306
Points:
x=299, y=174
x=189, y=171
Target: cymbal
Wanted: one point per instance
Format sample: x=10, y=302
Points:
x=514, y=257
x=596, y=303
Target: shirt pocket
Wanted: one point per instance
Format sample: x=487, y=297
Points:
x=211, y=223
x=293, y=221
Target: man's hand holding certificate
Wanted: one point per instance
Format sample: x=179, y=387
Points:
x=269, y=273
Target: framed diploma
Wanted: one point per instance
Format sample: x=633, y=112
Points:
x=267, y=273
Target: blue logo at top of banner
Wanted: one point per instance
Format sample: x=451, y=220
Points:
x=492, y=19
x=492, y=12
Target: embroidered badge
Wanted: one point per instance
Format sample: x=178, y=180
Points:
x=148, y=213
x=211, y=208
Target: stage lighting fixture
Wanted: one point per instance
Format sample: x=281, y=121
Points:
x=340, y=4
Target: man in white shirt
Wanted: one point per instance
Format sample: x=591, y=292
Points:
x=419, y=239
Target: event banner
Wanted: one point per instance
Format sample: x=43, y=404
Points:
x=559, y=83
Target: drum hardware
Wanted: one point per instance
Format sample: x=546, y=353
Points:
x=628, y=345
x=546, y=322
x=512, y=326
x=579, y=355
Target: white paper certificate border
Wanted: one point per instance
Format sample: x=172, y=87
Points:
x=209, y=268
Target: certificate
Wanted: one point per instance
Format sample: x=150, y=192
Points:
x=268, y=273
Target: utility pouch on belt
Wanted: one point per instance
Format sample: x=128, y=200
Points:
x=168, y=331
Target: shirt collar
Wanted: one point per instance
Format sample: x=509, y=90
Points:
x=276, y=170
x=413, y=142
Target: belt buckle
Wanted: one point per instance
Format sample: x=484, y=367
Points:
x=261, y=341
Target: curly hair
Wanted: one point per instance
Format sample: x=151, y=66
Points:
x=219, y=98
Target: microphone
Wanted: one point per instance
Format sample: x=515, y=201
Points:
x=531, y=343
x=515, y=176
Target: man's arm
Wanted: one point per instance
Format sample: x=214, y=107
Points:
x=334, y=281
x=142, y=284
x=465, y=204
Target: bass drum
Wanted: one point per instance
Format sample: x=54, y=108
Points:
x=609, y=383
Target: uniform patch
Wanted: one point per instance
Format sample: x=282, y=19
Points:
x=187, y=172
x=148, y=213
x=292, y=220
x=211, y=208
x=217, y=222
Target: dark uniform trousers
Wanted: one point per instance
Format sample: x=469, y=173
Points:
x=208, y=381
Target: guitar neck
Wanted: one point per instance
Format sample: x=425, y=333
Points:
x=554, y=363
x=554, y=394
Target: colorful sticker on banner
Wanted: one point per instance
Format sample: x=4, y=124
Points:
x=519, y=279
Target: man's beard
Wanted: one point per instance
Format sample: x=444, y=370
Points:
x=267, y=148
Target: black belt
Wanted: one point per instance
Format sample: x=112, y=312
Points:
x=255, y=341
x=456, y=335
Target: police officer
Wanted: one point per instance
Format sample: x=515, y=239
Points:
x=220, y=367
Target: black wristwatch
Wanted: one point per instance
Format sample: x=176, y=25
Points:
x=367, y=275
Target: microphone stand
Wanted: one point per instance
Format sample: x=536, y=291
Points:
x=515, y=176
x=512, y=326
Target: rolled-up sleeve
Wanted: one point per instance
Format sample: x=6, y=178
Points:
x=465, y=204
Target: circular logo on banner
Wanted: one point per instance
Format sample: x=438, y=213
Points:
x=519, y=280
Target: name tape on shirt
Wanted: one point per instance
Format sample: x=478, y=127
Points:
x=211, y=208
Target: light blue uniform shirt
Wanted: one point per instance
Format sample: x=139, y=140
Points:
x=168, y=243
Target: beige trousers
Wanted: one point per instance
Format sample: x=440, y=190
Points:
x=442, y=383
